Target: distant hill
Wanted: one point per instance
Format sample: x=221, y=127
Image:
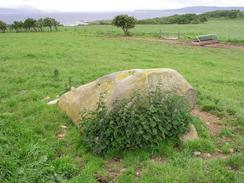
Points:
x=193, y=9
x=203, y=9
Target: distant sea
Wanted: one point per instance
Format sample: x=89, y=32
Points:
x=76, y=18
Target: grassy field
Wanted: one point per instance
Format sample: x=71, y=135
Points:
x=228, y=30
x=29, y=148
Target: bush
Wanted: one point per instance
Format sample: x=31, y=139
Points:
x=135, y=122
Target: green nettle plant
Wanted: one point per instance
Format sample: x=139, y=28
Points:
x=135, y=122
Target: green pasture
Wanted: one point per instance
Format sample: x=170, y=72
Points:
x=228, y=30
x=29, y=148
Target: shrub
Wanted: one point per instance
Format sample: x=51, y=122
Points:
x=135, y=122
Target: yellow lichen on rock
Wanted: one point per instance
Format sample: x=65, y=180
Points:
x=120, y=85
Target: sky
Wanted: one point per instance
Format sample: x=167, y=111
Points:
x=114, y=5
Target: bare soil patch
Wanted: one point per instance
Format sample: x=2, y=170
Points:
x=101, y=179
x=80, y=161
x=185, y=42
x=212, y=121
x=114, y=169
x=215, y=45
x=139, y=170
x=220, y=155
x=215, y=155
x=225, y=45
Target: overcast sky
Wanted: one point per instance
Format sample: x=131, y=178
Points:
x=114, y=5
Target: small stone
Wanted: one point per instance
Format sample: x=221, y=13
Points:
x=63, y=127
x=208, y=155
x=61, y=136
x=116, y=159
x=53, y=102
x=231, y=150
x=123, y=170
x=197, y=153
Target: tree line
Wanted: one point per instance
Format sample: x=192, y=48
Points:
x=193, y=18
x=176, y=19
x=31, y=25
x=224, y=14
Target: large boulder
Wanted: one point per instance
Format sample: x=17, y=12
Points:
x=120, y=85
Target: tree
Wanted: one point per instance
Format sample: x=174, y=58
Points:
x=125, y=22
x=55, y=23
x=48, y=23
x=51, y=22
x=29, y=24
x=17, y=26
x=39, y=24
x=3, y=26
